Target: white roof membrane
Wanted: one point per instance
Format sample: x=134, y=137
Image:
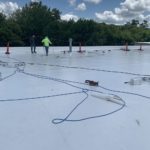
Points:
x=46, y=104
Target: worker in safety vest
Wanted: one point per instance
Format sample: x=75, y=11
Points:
x=46, y=42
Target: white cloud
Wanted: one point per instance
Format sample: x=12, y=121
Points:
x=136, y=5
x=8, y=7
x=35, y=0
x=69, y=16
x=129, y=9
x=72, y=2
x=81, y=7
x=93, y=1
x=109, y=17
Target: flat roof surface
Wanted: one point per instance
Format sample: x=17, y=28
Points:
x=46, y=104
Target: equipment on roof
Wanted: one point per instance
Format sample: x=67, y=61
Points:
x=110, y=98
x=138, y=80
x=91, y=83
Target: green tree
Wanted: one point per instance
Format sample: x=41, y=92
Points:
x=34, y=18
x=144, y=24
x=40, y=20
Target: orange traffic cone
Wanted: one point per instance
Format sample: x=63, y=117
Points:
x=126, y=48
x=7, y=50
x=80, y=48
x=140, y=48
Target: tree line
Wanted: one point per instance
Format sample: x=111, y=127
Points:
x=40, y=20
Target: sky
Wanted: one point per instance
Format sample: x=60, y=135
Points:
x=108, y=11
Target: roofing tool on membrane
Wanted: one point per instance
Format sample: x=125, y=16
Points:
x=134, y=81
x=91, y=83
x=146, y=79
x=113, y=99
x=138, y=80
